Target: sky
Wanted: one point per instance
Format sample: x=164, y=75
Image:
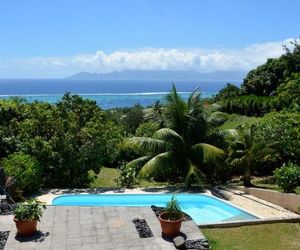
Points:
x=58, y=38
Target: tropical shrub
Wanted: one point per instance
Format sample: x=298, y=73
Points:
x=288, y=93
x=265, y=79
x=282, y=131
x=133, y=118
x=228, y=92
x=147, y=129
x=127, y=176
x=287, y=177
x=68, y=138
x=25, y=169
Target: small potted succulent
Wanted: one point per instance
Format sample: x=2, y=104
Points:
x=171, y=218
x=26, y=216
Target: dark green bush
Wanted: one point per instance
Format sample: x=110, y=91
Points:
x=287, y=177
x=25, y=169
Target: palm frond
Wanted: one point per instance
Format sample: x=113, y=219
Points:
x=160, y=165
x=231, y=133
x=147, y=145
x=175, y=111
x=193, y=102
x=168, y=135
x=193, y=171
x=211, y=154
x=217, y=118
x=138, y=163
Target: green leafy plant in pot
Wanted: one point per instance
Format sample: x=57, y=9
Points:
x=171, y=219
x=26, y=216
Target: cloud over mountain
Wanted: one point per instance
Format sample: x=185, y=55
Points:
x=197, y=59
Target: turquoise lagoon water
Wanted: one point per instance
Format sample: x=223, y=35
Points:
x=110, y=100
x=107, y=93
x=203, y=209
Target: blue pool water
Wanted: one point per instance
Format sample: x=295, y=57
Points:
x=202, y=208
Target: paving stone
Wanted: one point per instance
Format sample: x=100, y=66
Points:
x=97, y=228
x=88, y=239
x=75, y=247
x=74, y=241
x=89, y=246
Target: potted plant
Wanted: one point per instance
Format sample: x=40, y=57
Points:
x=171, y=218
x=26, y=216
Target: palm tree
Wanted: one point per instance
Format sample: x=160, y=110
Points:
x=155, y=113
x=245, y=151
x=180, y=149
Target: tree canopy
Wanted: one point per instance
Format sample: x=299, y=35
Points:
x=265, y=79
x=181, y=148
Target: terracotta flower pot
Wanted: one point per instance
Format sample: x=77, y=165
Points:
x=169, y=228
x=26, y=228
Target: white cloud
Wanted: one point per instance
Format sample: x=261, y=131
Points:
x=151, y=59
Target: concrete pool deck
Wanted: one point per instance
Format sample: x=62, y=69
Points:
x=94, y=228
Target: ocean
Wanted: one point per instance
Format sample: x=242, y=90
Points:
x=107, y=93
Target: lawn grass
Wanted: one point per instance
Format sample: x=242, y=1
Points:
x=237, y=120
x=273, y=187
x=106, y=178
x=261, y=183
x=270, y=236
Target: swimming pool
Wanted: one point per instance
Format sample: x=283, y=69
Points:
x=203, y=209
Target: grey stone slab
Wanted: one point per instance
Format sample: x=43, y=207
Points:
x=74, y=247
x=88, y=239
x=89, y=246
x=96, y=228
x=74, y=241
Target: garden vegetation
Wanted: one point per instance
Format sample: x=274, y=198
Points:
x=252, y=129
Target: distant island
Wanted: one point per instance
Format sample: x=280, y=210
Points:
x=161, y=75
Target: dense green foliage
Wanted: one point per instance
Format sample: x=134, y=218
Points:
x=289, y=93
x=250, y=105
x=26, y=170
x=287, y=177
x=29, y=210
x=60, y=145
x=282, y=131
x=147, y=129
x=228, y=92
x=67, y=139
x=273, y=86
x=264, y=80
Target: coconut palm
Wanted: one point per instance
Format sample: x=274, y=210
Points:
x=180, y=149
x=245, y=151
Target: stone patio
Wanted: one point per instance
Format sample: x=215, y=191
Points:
x=87, y=228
